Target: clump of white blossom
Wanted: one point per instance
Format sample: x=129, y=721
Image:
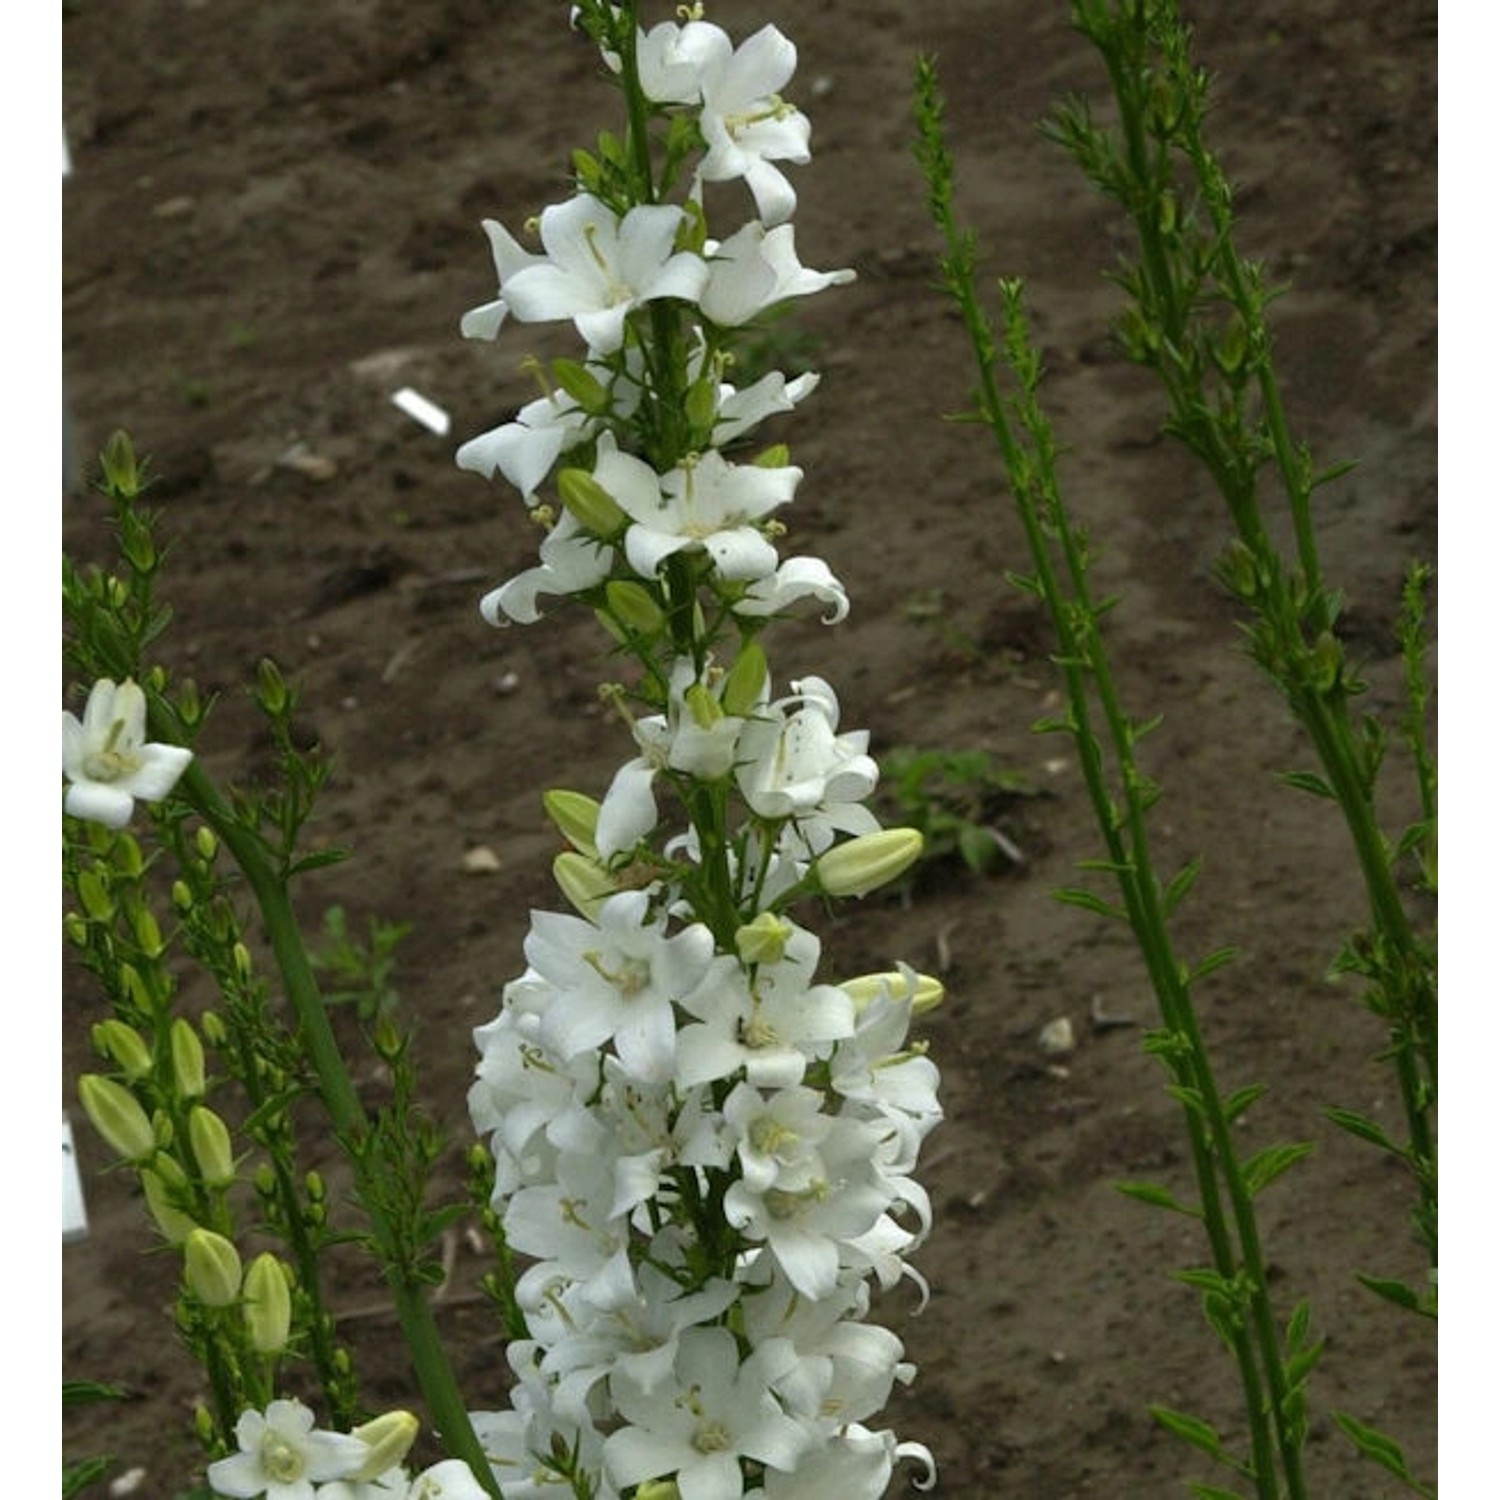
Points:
x=704, y=1150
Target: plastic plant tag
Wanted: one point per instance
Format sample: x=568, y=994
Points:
x=75, y=1219
x=420, y=409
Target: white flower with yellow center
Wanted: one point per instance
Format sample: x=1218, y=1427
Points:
x=282, y=1458
x=107, y=760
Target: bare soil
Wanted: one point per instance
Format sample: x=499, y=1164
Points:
x=273, y=223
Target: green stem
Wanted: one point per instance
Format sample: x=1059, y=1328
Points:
x=429, y=1358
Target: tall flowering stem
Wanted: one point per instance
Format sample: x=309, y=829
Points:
x=1273, y=1365
x=1196, y=317
x=703, y=1151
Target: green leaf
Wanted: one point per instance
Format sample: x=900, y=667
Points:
x=1241, y=1100
x=1380, y=1449
x=1307, y=781
x=78, y=1477
x=1190, y=1429
x=1206, y=1279
x=1301, y=1364
x=1157, y=1197
x=1180, y=884
x=1073, y=895
x=1398, y=1292
x=84, y=1392
x=1266, y=1166
x=1215, y=960
x=1365, y=1128
x=316, y=860
x=1298, y=1324
x=1213, y=1492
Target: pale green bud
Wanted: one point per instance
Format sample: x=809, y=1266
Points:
x=127, y=856
x=148, y=933
x=866, y=863
x=593, y=507
x=206, y=841
x=95, y=897
x=703, y=706
x=701, y=404
x=389, y=1438
x=244, y=965
x=745, y=681
x=122, y=471
x=75, y=929
x=187, y=1060
x=576, y=816
x=634, y=604
x=208, y=1135
x=268, y=1305
x=764, y=940
x=182, y=896
x=117, y=1115
x=175, y=1226
x=124, y=1046
x=270, y=687
x=925, y=992
x=582, y=881
x=212, y=1267
x=581, y=384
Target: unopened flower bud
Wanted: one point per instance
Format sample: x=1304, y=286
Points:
x=924, y=992
x=764, y=940
x=212, y=1267
x=634, y=605
x=148, y=933
x=174, y=1224
x=745, y=682
x=127, y=857
x=244, y=966
x=122, y=471
x=270, y=687
x=576, y=816
x=703, y=706
x=124, y=1046
x=208, y=1135
x=205, y=1426
x=206, y=841
x=389, y=1438
x=75, y=929
x=592, y=505
x=582, y=881
x=701, y=404
x=581, y=384
x=866, y=863
x=182, y=896
x=187, y=1060
x=117, y=1115
x=268, y=1304
x=94, y=895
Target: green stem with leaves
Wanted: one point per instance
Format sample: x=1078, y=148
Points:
x=1237, y=1293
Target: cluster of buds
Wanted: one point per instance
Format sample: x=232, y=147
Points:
x=704, y=1152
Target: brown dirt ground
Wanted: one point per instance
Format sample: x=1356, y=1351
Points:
x=273, y=222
